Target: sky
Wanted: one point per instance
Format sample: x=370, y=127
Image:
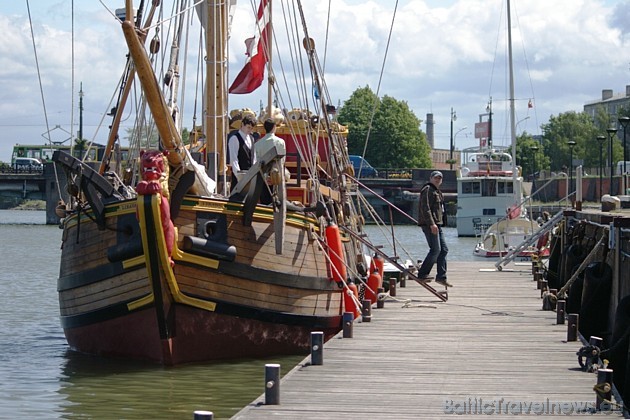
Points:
x=444, y=56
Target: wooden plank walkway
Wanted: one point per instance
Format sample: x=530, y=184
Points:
x=491, y=340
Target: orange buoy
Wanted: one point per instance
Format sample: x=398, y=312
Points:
x=335, y=253
x=374, y=282
x=348, y=302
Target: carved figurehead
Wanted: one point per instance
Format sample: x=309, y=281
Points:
x=154, y=173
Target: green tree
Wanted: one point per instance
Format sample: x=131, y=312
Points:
x=79, y=147
x=530, y=155
x=580, y=128
x=394, y=139
x=185, y=136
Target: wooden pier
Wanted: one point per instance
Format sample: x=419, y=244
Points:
x=489, y=347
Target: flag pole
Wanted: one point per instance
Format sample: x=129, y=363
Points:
x=270, y=76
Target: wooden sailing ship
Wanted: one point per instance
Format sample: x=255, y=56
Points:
x=161, y=262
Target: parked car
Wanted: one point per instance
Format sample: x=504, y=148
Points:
x=28, y=165
x=367, y=170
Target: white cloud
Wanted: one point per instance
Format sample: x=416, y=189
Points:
x=442, y=55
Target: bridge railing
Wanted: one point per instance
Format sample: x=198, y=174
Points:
x=397, y=173
x=6, y=168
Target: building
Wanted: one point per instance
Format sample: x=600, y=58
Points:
x=612, y=103
x=440, y=157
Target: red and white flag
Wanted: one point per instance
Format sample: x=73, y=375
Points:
x=252, y=75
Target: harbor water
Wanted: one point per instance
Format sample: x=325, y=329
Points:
x=43, y=378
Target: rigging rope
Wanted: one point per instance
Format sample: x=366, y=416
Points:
x=72, y=82
x=41, y=88
x=380, y=79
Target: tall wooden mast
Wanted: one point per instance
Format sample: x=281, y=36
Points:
x=216, y=90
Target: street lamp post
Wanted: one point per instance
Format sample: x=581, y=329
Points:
x=455, y=139
x=571, y=144
x=534, y=150
x=521, y=120
x=624, y=123
x=601, y=140
x=611, y=131
x=453, y=118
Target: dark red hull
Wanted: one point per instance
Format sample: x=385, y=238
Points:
x=198, y=336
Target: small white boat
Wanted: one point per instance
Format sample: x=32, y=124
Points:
x=504, y=236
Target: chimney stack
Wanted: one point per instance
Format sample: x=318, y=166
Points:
x=430, y=131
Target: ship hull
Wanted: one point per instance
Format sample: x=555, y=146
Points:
x=227, y=293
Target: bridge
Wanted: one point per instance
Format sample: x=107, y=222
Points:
x=19, y=185
x=403, y=191
x=15, y=187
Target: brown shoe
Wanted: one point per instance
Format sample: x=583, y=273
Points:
x=426, y=278
x=444, y=283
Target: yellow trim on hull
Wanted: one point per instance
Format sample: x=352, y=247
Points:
x=141, y=302
x=133, y=262
x=179, y=255
x=164, y=262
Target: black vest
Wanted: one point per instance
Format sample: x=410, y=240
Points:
x=244, y=153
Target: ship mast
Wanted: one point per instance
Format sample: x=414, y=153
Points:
x=511, y=99
x=216, y=91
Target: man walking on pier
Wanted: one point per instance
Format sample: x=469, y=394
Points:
x=431, y=218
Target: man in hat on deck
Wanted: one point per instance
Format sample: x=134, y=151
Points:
x=431, y=218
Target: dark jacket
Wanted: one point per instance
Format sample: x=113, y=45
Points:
x=431, y=207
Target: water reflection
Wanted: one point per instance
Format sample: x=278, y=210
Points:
x=95, y=387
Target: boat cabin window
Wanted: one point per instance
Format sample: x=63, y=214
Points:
x=488, y=188
x=489, y=212
x=470, y=187
x=506, y=187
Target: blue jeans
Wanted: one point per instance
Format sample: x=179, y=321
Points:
x=437, y=253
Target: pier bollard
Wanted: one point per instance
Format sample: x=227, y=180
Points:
x=534, y=266
x=596, y=342
x=348, y=318
x=272, y=384
x=380, y=303
x=572, y=327
x=317, y=348
x=392, y=286
x=366, y=310
x=203, y=415
x=538, y=278
x=543, y=287
x=560, y=308
x=603, y=389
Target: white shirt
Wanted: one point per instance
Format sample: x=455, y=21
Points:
x=234, y=146
x=265, y=144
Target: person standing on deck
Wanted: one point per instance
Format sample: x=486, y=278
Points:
x=241, y=149
x=431, y=218
x=262, y=146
